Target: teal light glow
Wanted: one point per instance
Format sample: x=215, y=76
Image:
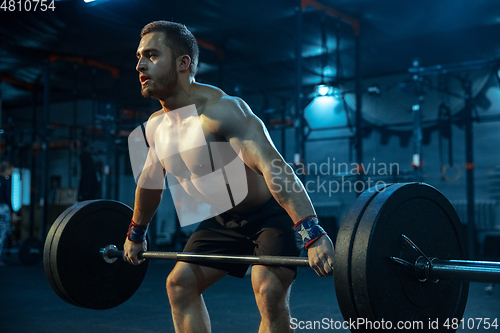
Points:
x=16, y=191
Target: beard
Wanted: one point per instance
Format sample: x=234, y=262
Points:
x=162, y=87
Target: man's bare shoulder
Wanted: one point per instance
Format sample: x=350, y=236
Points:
x=155, y=119
x=214, y=100
x=155, y=116
x=227, y=107
x=152, y=124
x=227, y=114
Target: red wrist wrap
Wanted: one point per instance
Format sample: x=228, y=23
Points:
x=136, y=232
x=310, y=230
x=305, y=218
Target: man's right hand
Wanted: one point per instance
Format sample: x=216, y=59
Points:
x=131, y=250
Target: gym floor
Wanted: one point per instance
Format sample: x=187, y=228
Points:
x=28, y=304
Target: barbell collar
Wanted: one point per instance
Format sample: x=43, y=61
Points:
x=108, y=252
x=228, y=259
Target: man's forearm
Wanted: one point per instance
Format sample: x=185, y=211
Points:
x=146, y=203
x=288, y=190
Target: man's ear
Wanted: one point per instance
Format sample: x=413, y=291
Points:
x=184, y=63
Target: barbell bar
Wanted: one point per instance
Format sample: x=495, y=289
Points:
x=111, y=252
x=380, y=273
x=465, y=270
x=432, y=269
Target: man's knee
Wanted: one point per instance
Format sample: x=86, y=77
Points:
x=180, y=284
x=271, y=292
x=187, y=281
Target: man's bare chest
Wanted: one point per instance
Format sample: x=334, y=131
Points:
x=186, y=146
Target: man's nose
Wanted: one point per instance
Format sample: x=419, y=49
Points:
x=141, y=65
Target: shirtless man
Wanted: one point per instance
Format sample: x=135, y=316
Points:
x=262, y=223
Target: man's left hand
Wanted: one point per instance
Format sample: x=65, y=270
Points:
x=320, y=255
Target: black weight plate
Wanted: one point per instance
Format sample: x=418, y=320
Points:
x=31, y=251
x=343, y=251
x=76, y=267
x=384, y=290
x=47, y=252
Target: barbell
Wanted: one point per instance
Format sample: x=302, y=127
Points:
x=397, y=257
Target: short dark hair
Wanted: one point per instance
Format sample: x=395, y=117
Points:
x=179, y=39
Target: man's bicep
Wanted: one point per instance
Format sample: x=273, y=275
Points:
x=152, y=175
x=256, y=145
x=147, y=167
x=151, y=170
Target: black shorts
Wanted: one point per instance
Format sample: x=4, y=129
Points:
x=266, y=231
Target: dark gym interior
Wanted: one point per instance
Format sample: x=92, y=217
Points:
x=353, y=93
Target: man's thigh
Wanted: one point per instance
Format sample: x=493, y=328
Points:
x=195, y=276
